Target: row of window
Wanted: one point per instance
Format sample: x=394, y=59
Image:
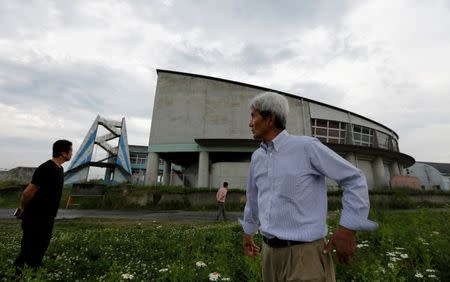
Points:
x=138, y=158
x=330, y=131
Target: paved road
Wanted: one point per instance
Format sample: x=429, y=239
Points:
x=162, y=216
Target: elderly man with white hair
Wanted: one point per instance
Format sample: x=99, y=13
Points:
x=287, y=199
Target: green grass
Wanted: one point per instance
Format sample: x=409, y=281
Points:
x=407, y=244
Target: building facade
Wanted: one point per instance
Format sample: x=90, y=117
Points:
x=432, y=176
x=138, y=161
x=201, y=124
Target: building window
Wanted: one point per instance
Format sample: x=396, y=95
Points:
x=394, y=145
x=362, y=136
x=386, y=141
x=383, y=140
x=329, y=131
x=138, y=158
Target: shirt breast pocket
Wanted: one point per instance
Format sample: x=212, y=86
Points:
x=294, y=185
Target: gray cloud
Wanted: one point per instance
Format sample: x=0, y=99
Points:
x=64, y=62
x=95, y=88
x=318, y=92
x=244, y=19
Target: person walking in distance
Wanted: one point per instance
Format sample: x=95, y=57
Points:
x=39, y=205
x=221, y=195
x=287, y=199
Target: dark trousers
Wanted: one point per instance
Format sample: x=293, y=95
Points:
x=37, y=232
x=221, y=211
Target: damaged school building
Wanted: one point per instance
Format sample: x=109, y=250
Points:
x=200, y=135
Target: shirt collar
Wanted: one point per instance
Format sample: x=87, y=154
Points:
x=276, y=142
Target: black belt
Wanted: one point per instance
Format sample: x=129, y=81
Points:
x=279, y=243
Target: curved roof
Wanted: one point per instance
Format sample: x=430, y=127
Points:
x=272, y=90
x=441, y=167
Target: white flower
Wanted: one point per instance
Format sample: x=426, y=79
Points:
x=422, y=240
x=163, y=270
x=418, y=275
x=228, y=279
x=435, y=233
x=200, y=264
x=391, y=265
x=127, y=276
x=431, y=276
x=214, y=276
x=399, y=248
x=430, y=270
x=158, y=227
x=404, y=256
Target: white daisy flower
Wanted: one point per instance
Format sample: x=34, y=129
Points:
x=200, y=264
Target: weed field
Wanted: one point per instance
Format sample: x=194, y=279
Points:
x=408, y=246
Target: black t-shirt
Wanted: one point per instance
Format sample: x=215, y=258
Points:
x=50, y=179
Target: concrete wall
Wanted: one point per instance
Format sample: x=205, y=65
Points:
x=324, y=112
x=235, y=173
x=20, y=174
x=209, y=199
x=188, y=108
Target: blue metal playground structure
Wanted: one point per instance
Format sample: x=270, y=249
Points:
x=117, y=160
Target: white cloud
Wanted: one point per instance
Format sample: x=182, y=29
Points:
x=62, y=63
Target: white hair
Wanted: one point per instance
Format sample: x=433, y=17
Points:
x=270, y=102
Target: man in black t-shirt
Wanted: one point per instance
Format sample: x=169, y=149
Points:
x=39, y=205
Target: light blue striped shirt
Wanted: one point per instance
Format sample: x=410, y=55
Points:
x=287, y=195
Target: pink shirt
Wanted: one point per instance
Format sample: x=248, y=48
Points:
x=221, y=195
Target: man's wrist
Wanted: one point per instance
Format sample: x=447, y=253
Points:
x=347, y=230
x=248, y=237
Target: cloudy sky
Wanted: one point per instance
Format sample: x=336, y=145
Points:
x=64, y=62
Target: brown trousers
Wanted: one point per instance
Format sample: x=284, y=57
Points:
x=304, y=262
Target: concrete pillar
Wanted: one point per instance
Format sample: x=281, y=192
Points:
x=166, y=172
x=402, y=169
x=152, y=169
x=109, y=174
x=378, y=173
x=351, y=157
x=395, y=170
x=203, y=169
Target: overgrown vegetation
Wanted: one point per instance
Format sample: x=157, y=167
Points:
x=408, y=246
x=149, y=197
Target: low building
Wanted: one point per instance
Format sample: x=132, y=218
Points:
x=201, y=124
x=433, y=176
